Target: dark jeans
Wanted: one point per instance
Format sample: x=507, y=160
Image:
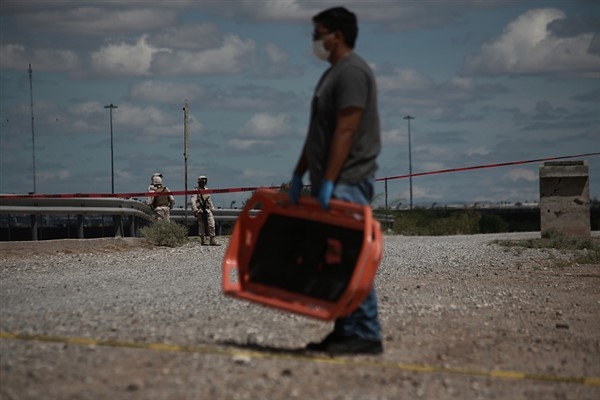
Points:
x=364, y=321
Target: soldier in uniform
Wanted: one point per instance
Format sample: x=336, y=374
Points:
x=163, y=203
x=202, y=206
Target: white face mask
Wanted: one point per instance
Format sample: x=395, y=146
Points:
x=319, y=50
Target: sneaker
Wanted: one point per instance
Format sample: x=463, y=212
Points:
x=355, y=345
x=323, y=344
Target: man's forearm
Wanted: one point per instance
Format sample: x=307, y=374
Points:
x=302, y=164
x=338, y=154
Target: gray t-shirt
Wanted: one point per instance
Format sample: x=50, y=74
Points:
x=349, y=83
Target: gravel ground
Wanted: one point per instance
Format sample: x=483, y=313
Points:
x=460, y=315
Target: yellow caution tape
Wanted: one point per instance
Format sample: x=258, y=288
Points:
x=214, y=350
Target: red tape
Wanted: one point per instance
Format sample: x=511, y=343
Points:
x=250, y=189
x=443, y=171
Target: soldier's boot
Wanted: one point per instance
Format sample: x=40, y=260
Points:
x=202, y=240
x=213, y=241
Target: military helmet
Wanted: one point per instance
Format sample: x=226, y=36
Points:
x=153, y=175
x=156, y=180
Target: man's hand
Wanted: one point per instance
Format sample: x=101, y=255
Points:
x=295, y=188
x=325, y=194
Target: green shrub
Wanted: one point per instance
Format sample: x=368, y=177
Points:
x=585, y=250
x=165, y=233
x=436, y=223
x=556, y=240
x=491, y=223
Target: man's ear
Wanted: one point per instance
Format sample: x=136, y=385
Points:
x=339, y=36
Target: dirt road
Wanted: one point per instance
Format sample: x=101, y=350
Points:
x=458, y=323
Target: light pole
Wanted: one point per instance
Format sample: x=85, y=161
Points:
x=408, y=118
x=32, y=130
x=186, y=136
x=112, y=163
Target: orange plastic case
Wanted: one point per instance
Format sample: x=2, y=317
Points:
x=300, y=258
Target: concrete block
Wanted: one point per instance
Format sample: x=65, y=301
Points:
x=565, y=198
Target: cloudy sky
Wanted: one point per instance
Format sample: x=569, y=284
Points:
x=486, y=81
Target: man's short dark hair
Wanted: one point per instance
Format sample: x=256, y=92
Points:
x=339, y=19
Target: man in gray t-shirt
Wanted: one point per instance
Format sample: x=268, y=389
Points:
x=340, y=153
x=348, y=84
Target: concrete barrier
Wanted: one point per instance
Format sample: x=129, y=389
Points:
x=564, y=198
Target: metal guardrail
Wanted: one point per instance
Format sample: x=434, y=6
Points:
x=24, y=218
x=75, y=206
x=128, y=215
x=220, y=214
x=222, y=217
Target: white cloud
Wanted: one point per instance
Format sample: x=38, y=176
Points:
x=124, y=59
x=189, y=37
x=527, y=46
x=251, y=97
x=258, y=175
x=276, y=64
x=97, y=21
x=164, y=130
x=403, y=79
x=266, y=125
x=434, y=151
x=166, y=92
x=394, y=15
x=478, y=151
x=431, y=166
x=462, y=84
x=149, y=118
x=86, y=108
x=84, y=125
x=394, y=137
x=234, y=56
x=16, y=56
x=521, y=174
x=248, y=144
x=145, y=123
x=280, y=10
x=48, y=175
x=276, y=55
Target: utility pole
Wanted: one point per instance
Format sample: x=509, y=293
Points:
x=408, y=118
x=32, y=130
x=185, y=155
x=112, y=159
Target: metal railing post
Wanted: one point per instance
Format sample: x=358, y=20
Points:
x=80, y=229
x=34, y=227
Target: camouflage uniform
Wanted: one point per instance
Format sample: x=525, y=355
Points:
x=162, y=204
x=202, y=206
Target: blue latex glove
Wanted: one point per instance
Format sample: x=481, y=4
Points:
x=325, y=194
x=296, y=186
